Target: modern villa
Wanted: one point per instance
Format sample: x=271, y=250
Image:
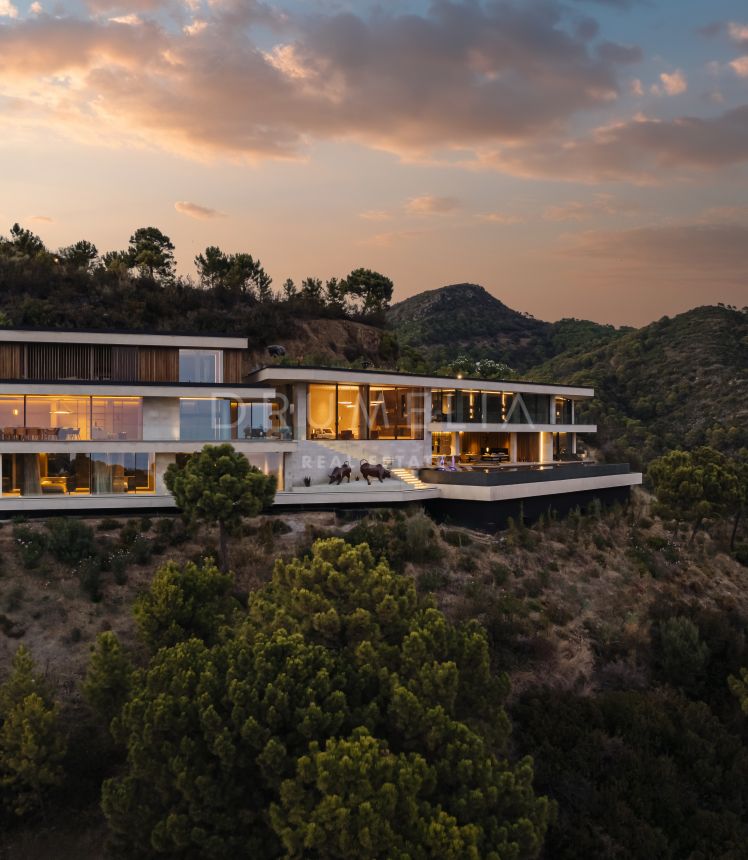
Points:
x=90, y=420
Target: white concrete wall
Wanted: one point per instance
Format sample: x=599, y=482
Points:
x=317, y=459
x=160, y=418
x=546, y=447
x=162, y=464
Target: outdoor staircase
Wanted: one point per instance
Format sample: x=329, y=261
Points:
x=409, y=477
x=340, y=452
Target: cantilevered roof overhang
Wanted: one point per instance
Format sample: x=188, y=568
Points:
x=277, y=375
x=122, y=338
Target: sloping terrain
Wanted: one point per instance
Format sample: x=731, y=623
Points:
x=680, y=381
x=464, y=318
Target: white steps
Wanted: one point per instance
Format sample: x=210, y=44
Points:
x=409, y=477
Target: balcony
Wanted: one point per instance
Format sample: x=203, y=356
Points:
x=518, y=473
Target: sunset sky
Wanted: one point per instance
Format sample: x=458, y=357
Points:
x=584, y=159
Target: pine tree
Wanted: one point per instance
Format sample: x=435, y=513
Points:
x=108, y=680
x=219, y=487
x=32, y=746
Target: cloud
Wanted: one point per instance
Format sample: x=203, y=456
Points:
x=386, y=240
x=429, y=204
x=740, y=66
x=619, y=4
x=500, y=218
x=8, y=10
x=671, y=84
x=738, y=33
x=45, y=219
x=462, y=74
x=375, y=215
x=639, y=150
x=615, y=53
x=194, y=210
x=584, y=210
x=707, y=251
x=36, y=8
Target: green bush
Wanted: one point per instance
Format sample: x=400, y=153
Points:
x=165, y=527
x=432, y=580
x=141, y=550
x=683, y=657
x=456, y=538
x=70, y=540
x=741, y=554
x=500, y=573
x=120, y=561
x=89, y=576
x=421, y=541
x=146, y=524
x=31, y=545
x=129, y=532
x=108, y=524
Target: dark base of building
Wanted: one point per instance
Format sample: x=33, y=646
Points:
x=493, y=516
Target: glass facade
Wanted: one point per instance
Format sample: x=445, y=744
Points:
x=57, y=418
x=78, y=473
x=118, y=418
x=200, y=365
x=204, y=420
x=489, y=407
x=351, y=412
x=62, y=419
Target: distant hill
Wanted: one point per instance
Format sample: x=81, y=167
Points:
x=678, y=381
x=464, y=318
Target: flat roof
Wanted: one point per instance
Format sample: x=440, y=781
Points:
x=63, y=387
x=122, y=337
x=285, y=373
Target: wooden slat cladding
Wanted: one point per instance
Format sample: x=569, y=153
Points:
x=158, y=364
x=11, y=361
x=125, y=363
x=51, y=361
x=233, y=365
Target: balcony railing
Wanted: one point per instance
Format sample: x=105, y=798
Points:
x=519, y=474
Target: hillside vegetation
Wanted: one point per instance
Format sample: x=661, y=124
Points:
x=435, y=327
x=678, y=382
x=617, y=637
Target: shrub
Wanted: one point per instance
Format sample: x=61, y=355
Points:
x=500, y=573
x=120, y=561
x=741, y=554
x=683, y=656
x=89, y=576
x=421, y=542
x=467, y=562
x=31, y=545
x=165, y=527
x=130, y=532
x=432, y=580
x=108, y=525
x=146, y=524
x=456, y=538
x=141, y=550
x=70, y=540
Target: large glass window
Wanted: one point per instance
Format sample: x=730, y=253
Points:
x=77, y=474
x=395, y=413
x=121, y=473
x=322, y=412
x=12, y=423
x=350, y=423
x=118, y=418
x=200, y=365
x=57, y=418
x=204, y=419
x=251, y=420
